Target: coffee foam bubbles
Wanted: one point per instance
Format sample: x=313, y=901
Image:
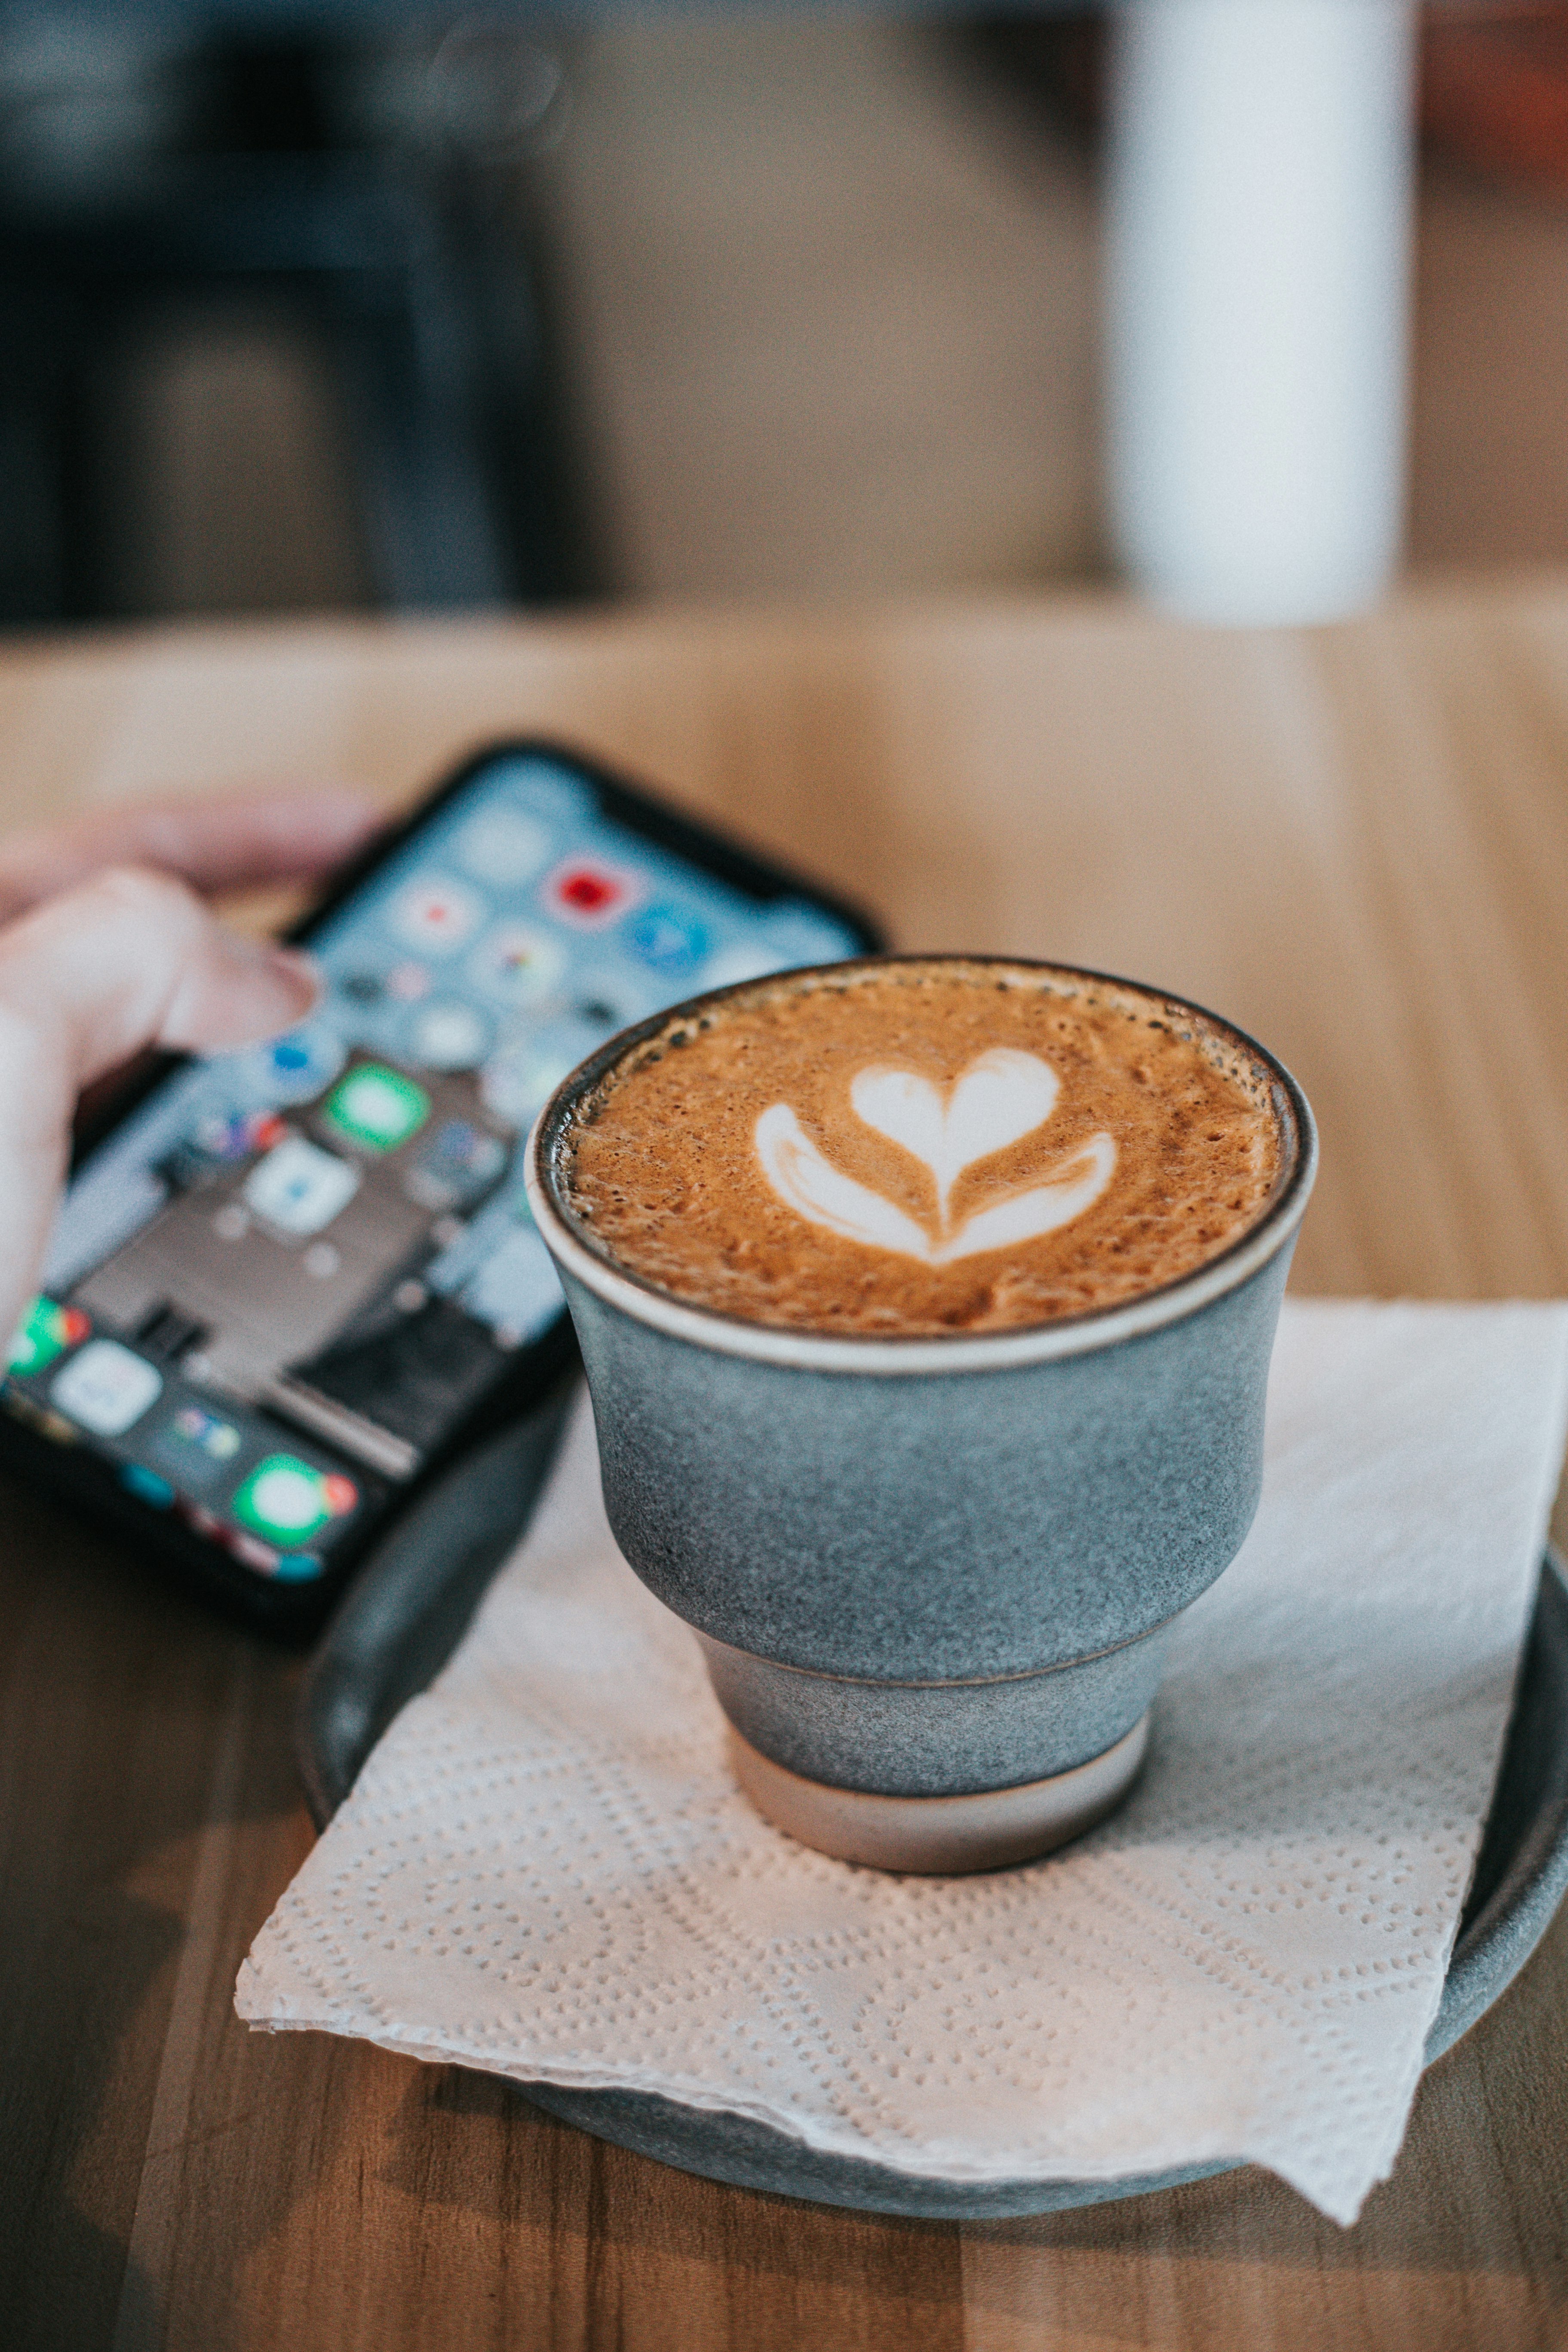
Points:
x=924, y=1145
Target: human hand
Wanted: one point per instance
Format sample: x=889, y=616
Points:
x=106, y=948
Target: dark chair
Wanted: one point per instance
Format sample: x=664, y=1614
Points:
x=352, y=168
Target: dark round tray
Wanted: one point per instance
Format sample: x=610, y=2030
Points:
x=402, y=1619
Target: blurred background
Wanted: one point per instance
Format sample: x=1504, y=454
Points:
x=307, y=308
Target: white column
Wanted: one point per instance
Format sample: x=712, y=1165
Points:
x=1259, y=227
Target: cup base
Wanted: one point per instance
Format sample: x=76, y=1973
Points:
x=942, y=1837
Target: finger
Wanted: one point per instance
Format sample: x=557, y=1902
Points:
x=214, y=845
x=133, y=958
x=128, y=960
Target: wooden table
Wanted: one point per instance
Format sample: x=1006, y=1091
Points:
x=1354, y=841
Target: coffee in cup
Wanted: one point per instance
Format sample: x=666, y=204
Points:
x=927, y=1306
x=912, y=1148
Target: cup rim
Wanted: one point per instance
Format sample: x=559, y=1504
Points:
x=924, y=1353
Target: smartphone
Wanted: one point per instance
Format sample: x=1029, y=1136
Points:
x=287, y=1285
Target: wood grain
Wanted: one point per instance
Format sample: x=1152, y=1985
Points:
x=1352, y=841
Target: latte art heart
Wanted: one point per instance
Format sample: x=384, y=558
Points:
x=1002, y=1097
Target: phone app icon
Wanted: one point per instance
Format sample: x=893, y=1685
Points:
x=299, y=1188
x=288, y=1502
x=605, y=1001
x=300, y=1065
x=449, y=1034
x=295, y=1567
x=196, y=1446
x=517, y=962
x=219, y=1440
x=235, y=1136
x=147, y=1486
x=457, y=1169
x=45, y=1332
x=503, y=846
x=668, y=938
x=589, y=891
x=377, y=1107
x=106, y=1388
x=292, y=1068
x=437, y=917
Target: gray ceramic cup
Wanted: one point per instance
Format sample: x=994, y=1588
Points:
x=933, y=1578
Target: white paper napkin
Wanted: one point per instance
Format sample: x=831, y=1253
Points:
x=546, y=1870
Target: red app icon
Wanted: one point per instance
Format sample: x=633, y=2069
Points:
x=587, y=891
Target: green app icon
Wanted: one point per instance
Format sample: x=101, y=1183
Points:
x=377, y=1106
x=288, y=1502
x=45, y=1332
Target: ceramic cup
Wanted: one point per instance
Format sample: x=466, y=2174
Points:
x=933, y=1578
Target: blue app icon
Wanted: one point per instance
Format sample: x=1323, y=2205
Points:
x=666, y=938
x=146, y=1485
x=297, y=1567
x=291, y=1069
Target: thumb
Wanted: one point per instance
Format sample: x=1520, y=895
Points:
x=133, y=958
x=130, y=959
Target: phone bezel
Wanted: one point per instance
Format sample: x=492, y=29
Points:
x=89, y=1483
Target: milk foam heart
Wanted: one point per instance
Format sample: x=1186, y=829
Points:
x=816, y=1190
x=1001, y=1098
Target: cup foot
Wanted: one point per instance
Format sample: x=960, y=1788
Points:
x=993, y=1829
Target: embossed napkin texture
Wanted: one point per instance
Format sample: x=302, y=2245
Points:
x=546, y=1870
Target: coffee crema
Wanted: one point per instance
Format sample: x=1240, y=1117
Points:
x=923, y=1146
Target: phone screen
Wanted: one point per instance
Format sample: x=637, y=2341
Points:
x=293, y=1271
